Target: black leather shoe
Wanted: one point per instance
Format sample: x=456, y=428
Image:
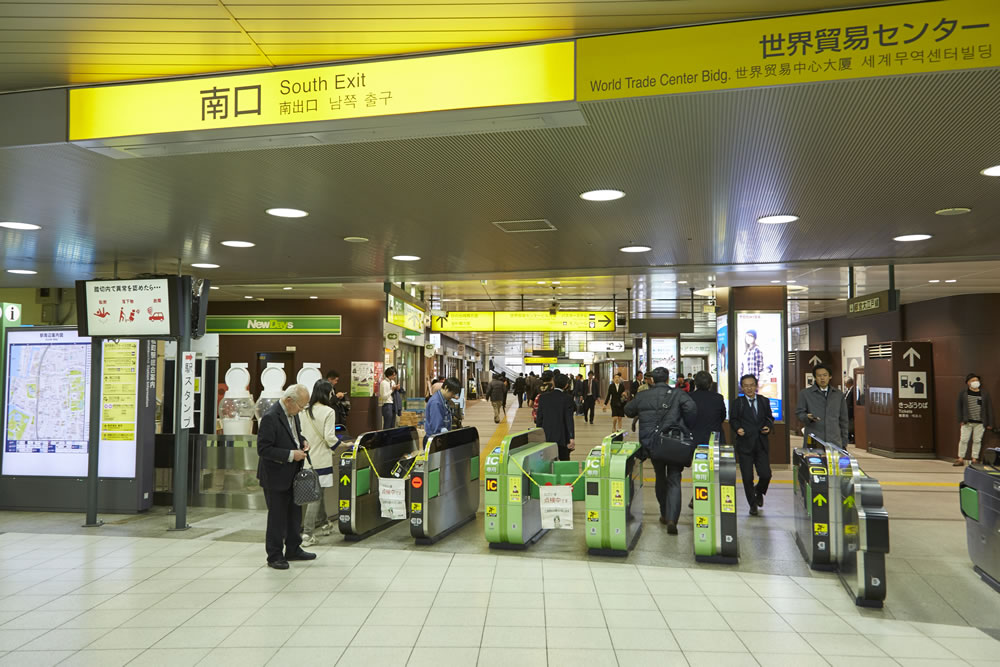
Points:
x=301, y=555
x=671, y=528
x=278, y=564
x=753, y=511
x=760, y=499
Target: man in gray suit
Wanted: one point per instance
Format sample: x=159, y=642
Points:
x=823, y=410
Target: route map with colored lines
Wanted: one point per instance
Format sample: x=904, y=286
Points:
x=47, y=406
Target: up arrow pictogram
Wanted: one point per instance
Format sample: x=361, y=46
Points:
x=912, y=355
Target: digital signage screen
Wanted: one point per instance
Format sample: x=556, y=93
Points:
x=759, y=352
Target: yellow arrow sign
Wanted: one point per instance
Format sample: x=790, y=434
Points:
x=849, y=501
x=819, y=499
x=524, y=320
x=345, y=480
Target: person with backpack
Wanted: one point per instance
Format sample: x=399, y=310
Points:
x=660, y=408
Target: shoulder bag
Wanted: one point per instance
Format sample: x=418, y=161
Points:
x=671, y=444
x=305, y=487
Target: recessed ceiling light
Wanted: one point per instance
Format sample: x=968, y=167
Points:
x=635, y=248
x=602, y=195
x=214, y=287
x=957, y=210
x=843, y=298
x=557, y=282
x=238, y=244
x=933, y=281
x=405, y=258
x=775, y=282
x=24, y=226
x=248, y=297
x=682, y=282
x=540, y=282
x=907, y=238
x=22, y=272
x=951, y=281
x=790, y=282
x=414, y=282
x=205, y=266
x=668, y=282
x=286, y=288
x=314, y=297
x=286, y=212
x=777, y=219
x=991, y=171
x=797, y=288
x=356, y=239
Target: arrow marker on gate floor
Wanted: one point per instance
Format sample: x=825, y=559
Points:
x=912, y=355
x=345, y=480
x=819, y=499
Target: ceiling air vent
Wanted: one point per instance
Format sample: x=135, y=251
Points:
x=522, y=226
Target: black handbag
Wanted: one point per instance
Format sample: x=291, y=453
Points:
x=671, y=444
x=305, y=486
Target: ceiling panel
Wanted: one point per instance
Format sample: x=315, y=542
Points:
x=313, y=30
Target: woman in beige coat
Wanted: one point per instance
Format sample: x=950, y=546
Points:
x=319, y=428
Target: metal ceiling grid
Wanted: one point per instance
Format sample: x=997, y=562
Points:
x=53, y=43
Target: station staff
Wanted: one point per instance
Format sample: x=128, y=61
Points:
x=751, y=419
x=823, y=410
x=386, y=399
x=437, y=418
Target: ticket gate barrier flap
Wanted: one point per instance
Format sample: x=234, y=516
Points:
x=513, y=518
x=979, y=500
x=443, y=488
x=841, y=521
x=713, y=473
x=373, y=455
x=614, y=484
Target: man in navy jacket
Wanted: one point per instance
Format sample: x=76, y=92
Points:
x=751, y=420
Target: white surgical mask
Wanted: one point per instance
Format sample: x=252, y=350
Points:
x=974, y=384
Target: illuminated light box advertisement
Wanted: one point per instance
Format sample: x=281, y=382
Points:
x=722, y=353
x=663, y=352
x=123, y=308
x=47, y=394
x=759, y=353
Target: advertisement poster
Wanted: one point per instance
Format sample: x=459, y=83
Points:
x=759, y=337
x=722, y=354
x=362, y=379
x=119, y=407
x=663, y=352
x=700, y=349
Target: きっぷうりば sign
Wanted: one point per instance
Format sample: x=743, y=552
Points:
x=499, y=77
x=827, y=46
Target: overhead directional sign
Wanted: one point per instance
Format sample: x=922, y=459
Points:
x=605, y=346
x=523, y=320
x=535, y=361
x=542, y=320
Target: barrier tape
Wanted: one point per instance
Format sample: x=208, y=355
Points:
x=419, y=457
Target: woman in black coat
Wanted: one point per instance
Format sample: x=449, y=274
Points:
x=711, y=409
x=618, y=397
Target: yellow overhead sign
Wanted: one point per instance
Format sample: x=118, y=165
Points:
x=499, y=77
x=827, y=46
x=535, y=361
x=523, y=320
x=541, y=320
x=404, y=314
x=463, y=321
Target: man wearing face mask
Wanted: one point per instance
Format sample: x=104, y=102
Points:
x=975, y=413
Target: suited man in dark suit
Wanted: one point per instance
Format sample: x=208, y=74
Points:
x=591, y=394
x=751, y=421
x=282, y=449
x=711, y=409
x=555, y=417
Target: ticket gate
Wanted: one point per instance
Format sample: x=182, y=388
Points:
x=979, y=497
x=614, y=496
x=373, y=455
x=840, y=521
x=513, y=513
x=443, y=489
x=713, y=473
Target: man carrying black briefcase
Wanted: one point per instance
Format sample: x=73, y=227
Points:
x=665, y=415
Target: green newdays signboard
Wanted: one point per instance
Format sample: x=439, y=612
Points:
x=298, y=325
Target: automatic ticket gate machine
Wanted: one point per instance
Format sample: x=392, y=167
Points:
x=513, y=517
x=443, y=489
x=979, y=497
x=614, y=496
x=373, y=455
x=713, y=473
x=840, y=521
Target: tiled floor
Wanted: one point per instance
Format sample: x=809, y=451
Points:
x=104, y=601
x=131, y=593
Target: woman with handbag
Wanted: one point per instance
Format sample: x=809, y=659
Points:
x=661, y=411
x=319, y=427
